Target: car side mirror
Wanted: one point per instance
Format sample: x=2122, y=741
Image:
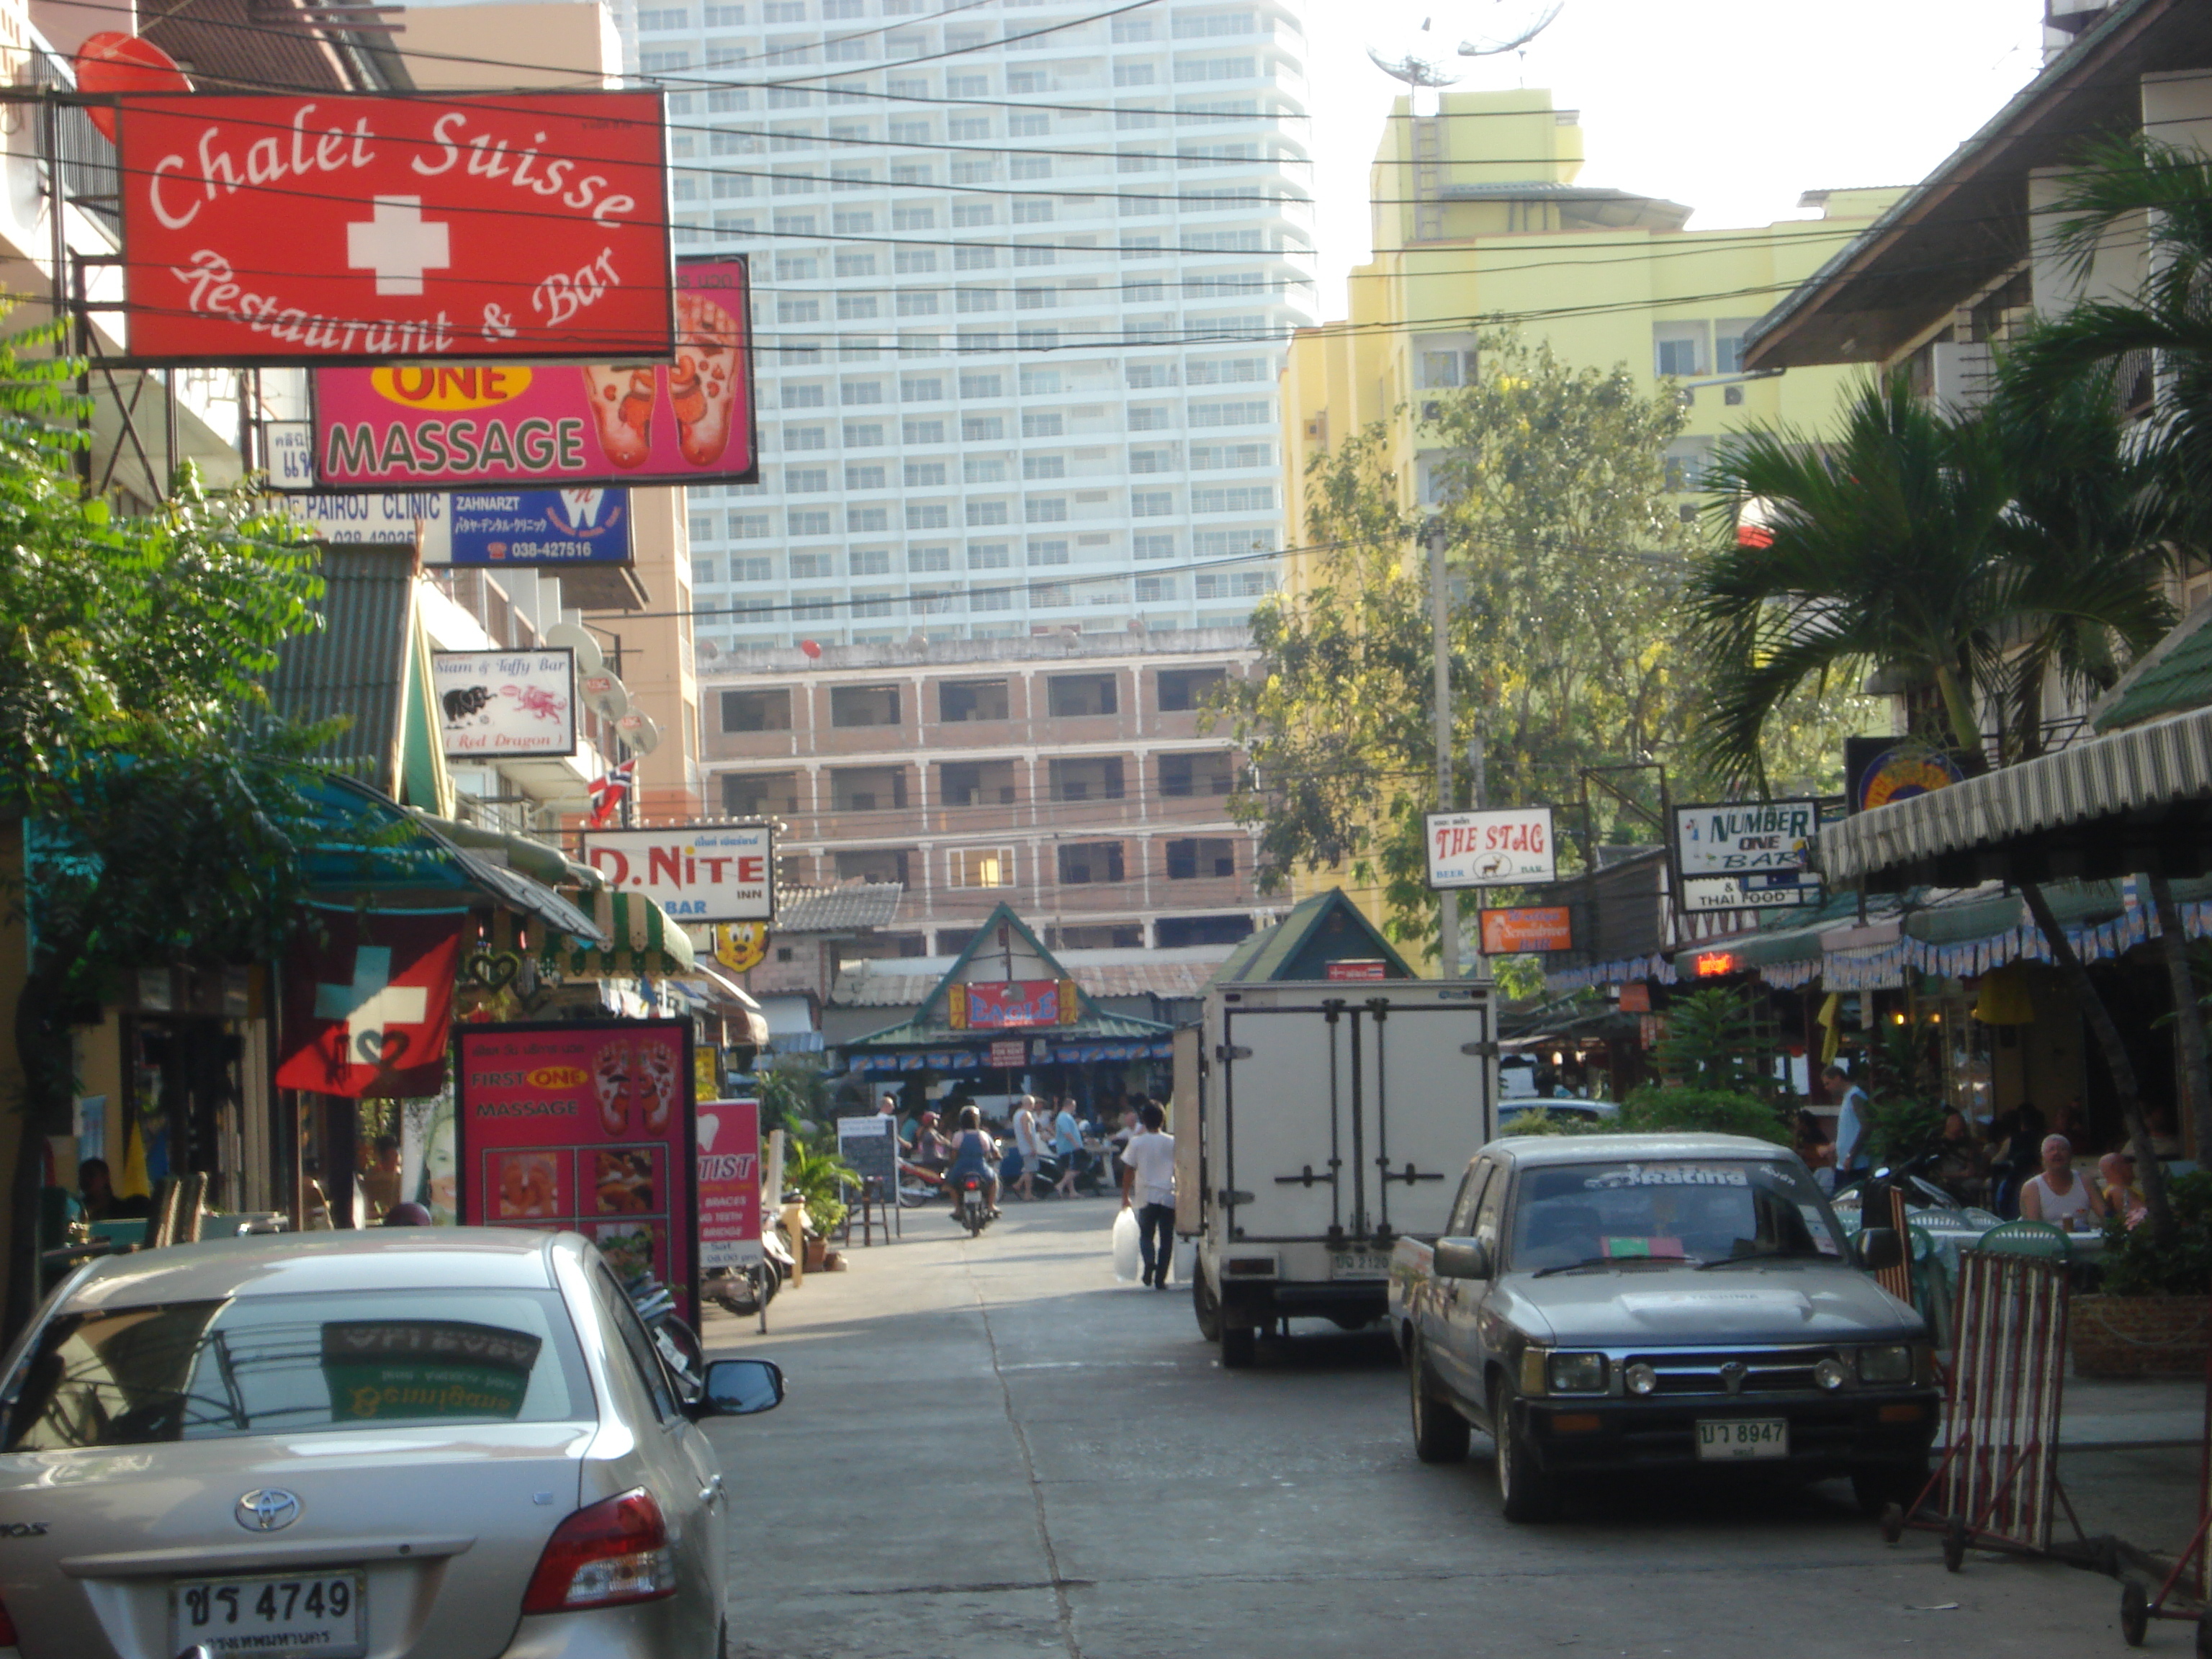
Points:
x=1462, y=1258
x=742, y=1388
x=1880, y=1247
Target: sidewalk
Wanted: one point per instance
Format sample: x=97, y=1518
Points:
x=2130, y=1459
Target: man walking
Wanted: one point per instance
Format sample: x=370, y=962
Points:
x=1029, y=1143
x=1066, y=1144
x=1148, y=1181
x=1854, y=1146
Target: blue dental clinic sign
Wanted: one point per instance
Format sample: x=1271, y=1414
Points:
x=486, y=527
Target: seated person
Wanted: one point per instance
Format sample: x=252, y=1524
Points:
x=2123, y=1197
x=2057, y=1194
x=926, y=1159
x=95, y=1190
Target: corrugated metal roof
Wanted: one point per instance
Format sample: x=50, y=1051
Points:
x=845, y=910
x=237, y=46
x=867, y=987
x=356, y=665
x=2174, y=674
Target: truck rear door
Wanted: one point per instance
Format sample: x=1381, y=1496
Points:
x=1345, y=1117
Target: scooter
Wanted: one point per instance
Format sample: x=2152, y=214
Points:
x=971, y=1204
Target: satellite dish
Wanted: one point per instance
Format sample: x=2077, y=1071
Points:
x=575, y=637
x=1408, y=49
x=640, y=729
x=1512, y=24
x=113, y=62
x=604, y=696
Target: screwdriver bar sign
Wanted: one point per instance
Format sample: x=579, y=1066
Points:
x=1505, y=847
x=278, y=228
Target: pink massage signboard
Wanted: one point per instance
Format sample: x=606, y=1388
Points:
x=588, y=1129
x=463, y=426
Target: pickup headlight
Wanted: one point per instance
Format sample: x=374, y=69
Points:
x=1576, y=1373
x=1891, y=1362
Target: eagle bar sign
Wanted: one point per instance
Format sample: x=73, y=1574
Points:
x=1746, y=838
x=1506, y=847
x=697, y=872
x=280, y=228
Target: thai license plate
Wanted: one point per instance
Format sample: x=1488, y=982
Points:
x=1359, y=1264
x=1733, y=1439
x=321, y=1613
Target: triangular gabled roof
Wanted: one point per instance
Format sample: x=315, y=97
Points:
x=1325, y=929
x=931, y=1022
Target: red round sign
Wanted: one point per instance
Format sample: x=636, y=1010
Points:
x=111, y=61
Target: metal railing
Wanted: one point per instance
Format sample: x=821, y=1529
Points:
x=91, y=179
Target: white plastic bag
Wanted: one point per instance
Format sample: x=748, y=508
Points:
x=1128, y=1255
x=1186, y=1260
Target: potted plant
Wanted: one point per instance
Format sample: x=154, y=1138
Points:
x=2153, y=1315
x=819, y=1177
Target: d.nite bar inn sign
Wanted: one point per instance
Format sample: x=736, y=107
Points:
x=275, y=228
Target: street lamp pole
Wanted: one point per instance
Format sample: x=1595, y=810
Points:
x=1440, y=629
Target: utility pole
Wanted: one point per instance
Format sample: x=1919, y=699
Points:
x=1440, y=628
x=1477, y=782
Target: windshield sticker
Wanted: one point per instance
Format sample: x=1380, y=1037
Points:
x=1817, y=1224
x=1621, y=1248
x=1671, y=1175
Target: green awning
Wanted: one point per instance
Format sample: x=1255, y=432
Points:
x=645, y=943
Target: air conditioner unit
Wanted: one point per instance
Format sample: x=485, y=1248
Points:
x=1432, y=411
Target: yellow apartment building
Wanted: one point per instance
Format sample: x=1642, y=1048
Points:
x=1480, y=220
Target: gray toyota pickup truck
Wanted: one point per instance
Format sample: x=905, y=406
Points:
x=1605, y=1304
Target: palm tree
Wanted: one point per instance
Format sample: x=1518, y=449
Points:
x=2162, y=194
x=1968, y=559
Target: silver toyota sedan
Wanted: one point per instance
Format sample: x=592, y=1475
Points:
x=458, y=1444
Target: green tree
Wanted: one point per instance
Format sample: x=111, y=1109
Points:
x=1567, y=563
x=163, y=815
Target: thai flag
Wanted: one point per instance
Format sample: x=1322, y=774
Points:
x=608, y=793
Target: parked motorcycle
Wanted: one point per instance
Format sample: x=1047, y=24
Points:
x=971, y=1204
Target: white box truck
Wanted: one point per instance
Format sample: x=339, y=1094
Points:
x=1324, y=1105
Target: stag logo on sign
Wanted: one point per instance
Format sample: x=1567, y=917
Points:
x=268, y=1509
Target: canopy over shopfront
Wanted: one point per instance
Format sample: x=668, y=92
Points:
x=1006, y=994
x=2138, y=801
x=627, y=936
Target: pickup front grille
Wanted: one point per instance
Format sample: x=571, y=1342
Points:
x=1745, y=1373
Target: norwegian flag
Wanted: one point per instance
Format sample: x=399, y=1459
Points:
x=608, y=793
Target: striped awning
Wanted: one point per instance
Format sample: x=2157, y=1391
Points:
x=645, y=943
x=2132, y=800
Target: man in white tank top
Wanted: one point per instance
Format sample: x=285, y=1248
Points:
x=2057, y=1194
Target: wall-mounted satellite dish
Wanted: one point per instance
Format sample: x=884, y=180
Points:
x=640, y=731
x=575, y=637
x=604, y=696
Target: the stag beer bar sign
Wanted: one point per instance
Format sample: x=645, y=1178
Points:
x=278, y=228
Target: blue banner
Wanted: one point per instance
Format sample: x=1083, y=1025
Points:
x=541, y=527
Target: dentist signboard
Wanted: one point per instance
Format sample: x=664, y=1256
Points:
x=544, y=527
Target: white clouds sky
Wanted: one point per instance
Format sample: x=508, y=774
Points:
x=1733, y=107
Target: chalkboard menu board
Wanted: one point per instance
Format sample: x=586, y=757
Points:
x=871, y=1146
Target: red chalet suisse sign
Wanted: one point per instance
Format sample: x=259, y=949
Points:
x=261, y=228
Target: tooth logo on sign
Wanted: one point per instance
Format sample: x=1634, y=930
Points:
x=710, y=1130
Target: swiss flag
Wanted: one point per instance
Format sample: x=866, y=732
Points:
x=368, y=1003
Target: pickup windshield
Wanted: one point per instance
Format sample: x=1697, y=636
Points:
x=1696, y=1210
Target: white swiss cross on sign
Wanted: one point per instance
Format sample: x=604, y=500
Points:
x=372, y=1004
x=398, y=245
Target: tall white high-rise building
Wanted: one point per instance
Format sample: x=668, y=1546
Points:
x=1023, y=274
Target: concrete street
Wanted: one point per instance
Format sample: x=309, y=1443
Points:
x=994, y=1449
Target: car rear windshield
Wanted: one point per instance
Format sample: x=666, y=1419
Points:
x=1686, y=1210
x=285, y=1364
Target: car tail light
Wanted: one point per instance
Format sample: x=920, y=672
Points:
x=605, y=1554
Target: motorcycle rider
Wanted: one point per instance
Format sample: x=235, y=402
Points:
x=974, y=1152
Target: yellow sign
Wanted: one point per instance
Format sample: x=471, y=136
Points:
x=740, y=945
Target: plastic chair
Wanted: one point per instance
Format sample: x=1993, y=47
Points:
x=2037, y=1239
